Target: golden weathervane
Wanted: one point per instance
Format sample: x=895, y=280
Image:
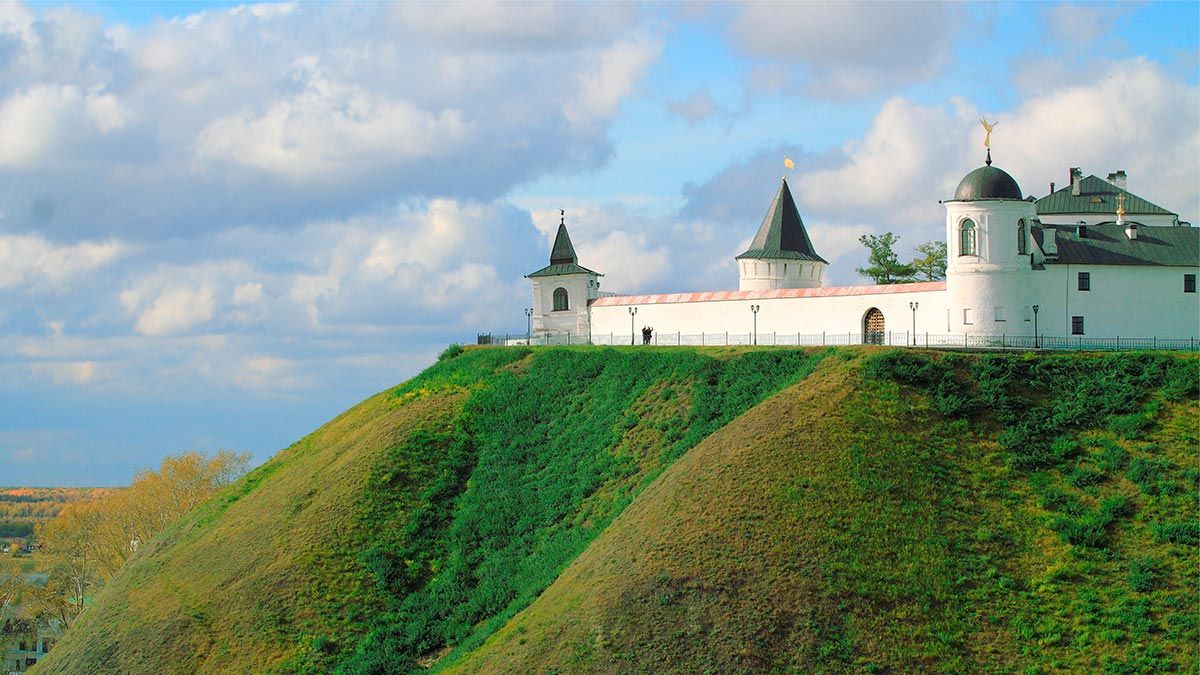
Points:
x=987, y=127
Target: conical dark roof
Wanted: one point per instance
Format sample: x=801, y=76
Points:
x=782, y=233
x=563, y=253
x=562, y=257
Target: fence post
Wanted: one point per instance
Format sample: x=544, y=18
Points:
x=774, y=341
x=822, y=338
x=726, y=338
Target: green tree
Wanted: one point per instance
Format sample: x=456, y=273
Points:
x=930, y=262
x=883, y=266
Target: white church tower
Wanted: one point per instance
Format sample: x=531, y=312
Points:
x=563, y=289
x=781, y=255
x=989, y=254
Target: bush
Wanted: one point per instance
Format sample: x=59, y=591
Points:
x=1143, y=572
x=451, y=351
x=1112, y=457
x=1128, y=426
x=1082, y=477
x=1177, y=533
x=1152, y=476
x=1091, y=527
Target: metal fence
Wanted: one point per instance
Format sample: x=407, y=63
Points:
x=888, y=338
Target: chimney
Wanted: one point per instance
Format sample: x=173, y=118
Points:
x=1117, y=178
x=1081, y=229
x=1131, y=230
x=1076, y=179
x=1051, y=187
x=1049, y=245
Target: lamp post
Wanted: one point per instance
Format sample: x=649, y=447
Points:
x=1037, y=341
x=754, y=310
x=528, y=324
x=632, y=313
x=913, y=306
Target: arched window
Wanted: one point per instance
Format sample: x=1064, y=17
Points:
x=1022, y=247
x=560, y=300
x=966, y=238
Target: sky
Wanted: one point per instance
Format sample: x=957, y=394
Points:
x=221, y=224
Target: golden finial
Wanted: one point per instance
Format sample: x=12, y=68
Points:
x=987, y=127
x=1121, y=204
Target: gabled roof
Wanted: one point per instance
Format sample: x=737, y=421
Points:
x=782, y=233
x=1107, y=244
x=1096, y=195
x=562, y=257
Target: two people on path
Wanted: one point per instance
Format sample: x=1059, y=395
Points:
x=647, y=333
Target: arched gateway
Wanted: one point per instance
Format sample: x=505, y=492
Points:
x=872, y=327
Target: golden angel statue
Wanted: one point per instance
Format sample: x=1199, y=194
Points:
x=987, y=127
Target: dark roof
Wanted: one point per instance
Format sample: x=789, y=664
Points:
x=1107, y=244
x=562, y=257
x=782, y=233
x=1096, y=195
x=987, y=182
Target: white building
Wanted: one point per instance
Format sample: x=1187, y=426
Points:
x=1089, y=260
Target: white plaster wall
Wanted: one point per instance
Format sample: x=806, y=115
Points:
x=769, y=274
x=580, y=288
x=1124, y=301
x=807, y=316
x=987, y=292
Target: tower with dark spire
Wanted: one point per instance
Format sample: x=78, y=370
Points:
x=563, y=289
x=781, y=255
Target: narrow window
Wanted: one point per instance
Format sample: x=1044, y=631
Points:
x=560, y=300
x=1189, y=283
x=967, y=316
x=1077, y=325
x=999, y=313
x=785, y=269
x=966, y=238
x=1022, y=248
x=1085, y=281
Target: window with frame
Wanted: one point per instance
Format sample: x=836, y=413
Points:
x=968, y=316
x=1077, y=325
x=966, y=238
x=1189, y=283
x=1022, y=246
x=560, y=300
x=1000, y=316
x=1085, y=281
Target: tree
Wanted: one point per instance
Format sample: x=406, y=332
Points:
x=930, y=262
x=88, y=541
x=882, y=264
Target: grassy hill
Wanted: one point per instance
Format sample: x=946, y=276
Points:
x=601, y=509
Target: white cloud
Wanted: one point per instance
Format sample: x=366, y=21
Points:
x=608, y=79
x=29, y=261
x=332, y=128
x=176, y=310
x=847, y=49
x=65, y=373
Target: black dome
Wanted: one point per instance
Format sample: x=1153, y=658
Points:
x=987, y=182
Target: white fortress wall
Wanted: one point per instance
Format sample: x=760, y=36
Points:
x=786, y=311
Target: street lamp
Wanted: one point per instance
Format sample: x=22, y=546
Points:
x=528, y=324
x=913, y=306
x=632, y=313
x=1037, y=342
x=754, y=310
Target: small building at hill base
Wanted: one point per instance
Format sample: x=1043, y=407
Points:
x=1090, y=259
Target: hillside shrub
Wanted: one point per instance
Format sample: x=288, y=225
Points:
x=1090, y=528
x=1177, y=533
x=1128, y=426
x=451, y=351
x=1112, y=456
x=1143, y=573
x=1153, y=476
x=517, y=479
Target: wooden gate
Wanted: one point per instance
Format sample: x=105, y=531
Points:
x=873, y=327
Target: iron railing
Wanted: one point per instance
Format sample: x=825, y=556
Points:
x=887, y=338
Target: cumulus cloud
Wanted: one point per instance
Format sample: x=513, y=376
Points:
x=846, y=49
x=65, y=373
x=30, y=261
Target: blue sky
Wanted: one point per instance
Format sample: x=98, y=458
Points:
x=222, y=224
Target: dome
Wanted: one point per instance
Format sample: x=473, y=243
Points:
x=987, y=182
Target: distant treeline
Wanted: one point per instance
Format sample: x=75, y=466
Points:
x=15, y=530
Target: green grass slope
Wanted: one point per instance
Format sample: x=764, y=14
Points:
x=901, y=512
x=407, y=530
